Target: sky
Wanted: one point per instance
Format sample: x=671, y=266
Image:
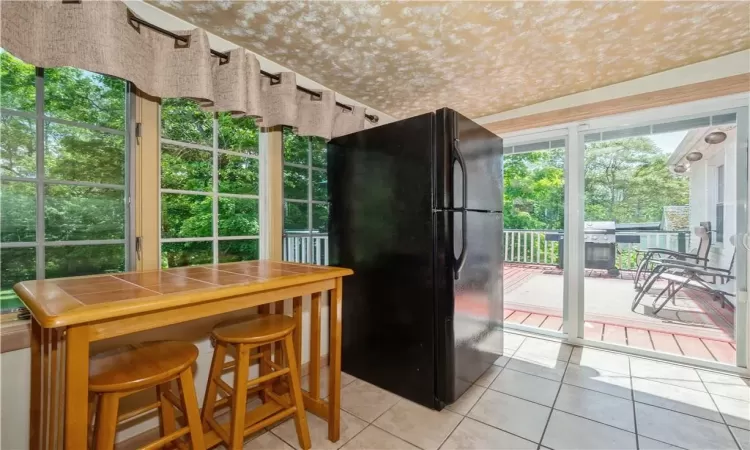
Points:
x=667, y=142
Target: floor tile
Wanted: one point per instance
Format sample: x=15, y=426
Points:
x=473, y=435
x=514, y=415
x=350, y=426
x=645, y=443
x=346, y=379
x=736, y=412
x=726, y=384
x=682, y=430
x=742, y=436
x=366, y=401
x=598, y=380
x=266, y=441
x=541, y=367
x=666, y=373
x=676, y=398
x=512, y=341
x=467, y=401
x=566, y=431
x=373, y=437
x=502, y=361
x=489, y=376
x=528, y=387
x=607, y=409
x=600, y=359
x=544, y=349
x=423, y=427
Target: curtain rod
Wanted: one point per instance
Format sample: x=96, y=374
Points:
x=136, y=22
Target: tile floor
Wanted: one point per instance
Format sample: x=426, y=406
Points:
x=546, y=395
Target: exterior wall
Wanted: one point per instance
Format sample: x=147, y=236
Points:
x=703, y=198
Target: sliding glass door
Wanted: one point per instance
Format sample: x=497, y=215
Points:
x=534, y=216
x=680, y=187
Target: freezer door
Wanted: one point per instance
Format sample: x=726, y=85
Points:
x=472, y=333
x=468, y=164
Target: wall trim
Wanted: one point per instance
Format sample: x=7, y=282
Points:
x=665, y=97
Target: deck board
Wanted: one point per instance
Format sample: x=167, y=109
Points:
x=664, y=342
x=593, y=331
x=534, y=320
x=639, y=338
x=693, y=347
x=553, y=323
x=722, y=351
x=614, y=334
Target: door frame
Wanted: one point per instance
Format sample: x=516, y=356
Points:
x=574, y=213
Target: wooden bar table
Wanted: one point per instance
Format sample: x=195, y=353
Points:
x=71, y=313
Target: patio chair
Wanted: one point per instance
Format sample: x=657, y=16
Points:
x=685, y=275
x=652, y=255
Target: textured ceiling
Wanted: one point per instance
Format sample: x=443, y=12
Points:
x=478, y=57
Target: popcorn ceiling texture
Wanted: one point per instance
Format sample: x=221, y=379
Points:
x=478, y=57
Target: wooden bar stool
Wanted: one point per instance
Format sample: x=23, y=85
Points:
x=124, y=371
x=257, y=334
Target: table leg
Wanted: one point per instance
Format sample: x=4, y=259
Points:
x=76, y=388
x=297, y=303
x=334, y=364
x=35, y=410
x=314, y=385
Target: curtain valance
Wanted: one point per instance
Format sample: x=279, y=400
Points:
x=99, y=37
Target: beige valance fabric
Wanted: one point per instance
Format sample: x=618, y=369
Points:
x=97, y=36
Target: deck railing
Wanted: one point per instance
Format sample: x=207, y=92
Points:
x=533, y=247
x=521, y=246
x=304, y=247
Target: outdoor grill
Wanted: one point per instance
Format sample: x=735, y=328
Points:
x=600, y=240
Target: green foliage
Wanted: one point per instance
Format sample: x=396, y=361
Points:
x=190, y=169
x=71, y=153
x=297, y=183
x=534, y=190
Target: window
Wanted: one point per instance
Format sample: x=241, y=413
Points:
x=210, y=186
x=63, y=170
x=305, y=199
x=720, y=203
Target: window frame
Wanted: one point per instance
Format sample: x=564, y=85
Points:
x=719, y=206
x=40, y=180
x=215, y=195
x=309, y=232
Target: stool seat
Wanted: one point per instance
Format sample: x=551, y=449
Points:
x=261, y=329
x=138, y=366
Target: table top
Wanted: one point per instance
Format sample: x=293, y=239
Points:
x=67, y=301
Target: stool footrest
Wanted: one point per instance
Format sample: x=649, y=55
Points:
x=223, y=386
x=166, y=439
x=268, y=377
x=135, y=413
x=176, y=402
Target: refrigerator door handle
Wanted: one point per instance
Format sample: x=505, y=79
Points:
x=464, y=179
x=459, y=264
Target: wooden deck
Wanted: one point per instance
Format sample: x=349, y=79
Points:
x=712, y=339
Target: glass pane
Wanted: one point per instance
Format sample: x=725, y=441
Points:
x=186, y=169
x=320, y=218
x=238, y=135
x=16, y=264
x=77, y=260
x=87, y=97
x=17, y=88
x=79, y=154
x=244, y=250
x=18, y=207
x=17, y=147
x=178, y=254
x=238, y=175
x=320, y=185
x=295, y=216
x=186, y=216
x=295, y=183
x=75, y=213
x=318, y=152
x=238, y=217
x=183, y=120
x=295, y=147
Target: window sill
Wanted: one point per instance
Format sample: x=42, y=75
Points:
x=14, y=333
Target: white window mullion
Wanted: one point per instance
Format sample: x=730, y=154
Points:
x=215, y=203
x=40, y=126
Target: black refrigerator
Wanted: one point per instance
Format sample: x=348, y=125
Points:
x=416, y=212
